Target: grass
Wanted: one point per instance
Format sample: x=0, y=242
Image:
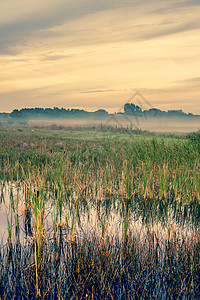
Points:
x=104, y=215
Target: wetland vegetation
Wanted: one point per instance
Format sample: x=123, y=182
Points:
x=99, y=215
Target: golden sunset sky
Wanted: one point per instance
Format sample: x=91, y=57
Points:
x=93, y=54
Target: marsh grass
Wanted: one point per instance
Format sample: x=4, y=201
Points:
x=109, y=269
x=68, y=175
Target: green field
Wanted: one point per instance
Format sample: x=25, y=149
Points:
x=99, y=215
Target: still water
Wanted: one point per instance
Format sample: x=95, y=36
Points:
x=110, y=218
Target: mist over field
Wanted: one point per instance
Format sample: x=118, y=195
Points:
x=168, y=125
x=131, y=117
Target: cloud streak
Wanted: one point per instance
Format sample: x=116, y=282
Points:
x=38, y=24
x=13, y=32
x=89, y=51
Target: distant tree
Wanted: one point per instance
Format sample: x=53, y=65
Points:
x=101, y=112
x=153, y=112
x=16, y=113
x=176, y=113
x=131, y=108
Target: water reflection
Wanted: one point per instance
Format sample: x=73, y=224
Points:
x=111, y=216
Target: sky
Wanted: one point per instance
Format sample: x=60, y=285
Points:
x=94, y=54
